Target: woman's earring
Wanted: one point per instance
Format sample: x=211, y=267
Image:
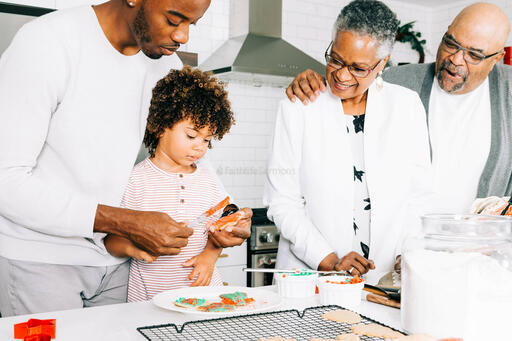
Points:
x=379, y=82
x=131, y=3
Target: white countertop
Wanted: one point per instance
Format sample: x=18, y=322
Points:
x=119, y=321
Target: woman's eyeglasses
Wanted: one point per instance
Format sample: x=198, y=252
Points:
x=355, y=71
x=471, y=56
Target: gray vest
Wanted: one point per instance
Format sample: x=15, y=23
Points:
x=496, y=178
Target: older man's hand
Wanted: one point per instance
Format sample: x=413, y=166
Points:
x=306, y=86
x=234, y=235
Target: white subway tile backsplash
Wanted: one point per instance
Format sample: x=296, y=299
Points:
x=256, y=115
x=261, y=154
x=220, y=20
x=329, y=12
x=253, y=128
x=307, y=7
x=245, y=178
x=271, y=118
x=295, y=18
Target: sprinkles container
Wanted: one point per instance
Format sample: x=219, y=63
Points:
x=344, y=291
x=295, y=285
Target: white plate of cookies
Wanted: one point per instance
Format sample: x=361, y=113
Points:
x=217, y=300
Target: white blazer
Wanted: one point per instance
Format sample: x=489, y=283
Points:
x=309, y=184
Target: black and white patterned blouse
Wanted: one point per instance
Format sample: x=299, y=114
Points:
x=362, y=207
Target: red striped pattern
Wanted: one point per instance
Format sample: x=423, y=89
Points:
x=183, y=197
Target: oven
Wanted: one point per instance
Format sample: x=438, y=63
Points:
x=262, y=248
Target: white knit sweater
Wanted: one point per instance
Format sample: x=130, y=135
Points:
x=72, y=116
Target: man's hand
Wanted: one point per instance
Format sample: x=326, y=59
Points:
x=306, y=86
x=233, y=235
x=354, y=263
x=159, y=234
x=154, y=232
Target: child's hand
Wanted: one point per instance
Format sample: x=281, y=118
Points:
x=204, y=264
x=122, y=247
x=233, y=235
x=135, y=252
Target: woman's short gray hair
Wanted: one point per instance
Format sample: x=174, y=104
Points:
x=369, y=17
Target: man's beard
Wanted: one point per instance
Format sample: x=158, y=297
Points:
x=462, y=73
x=141, y=31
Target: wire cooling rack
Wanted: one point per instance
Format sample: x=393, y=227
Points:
x=285, y=323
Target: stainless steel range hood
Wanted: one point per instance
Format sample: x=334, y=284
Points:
x=259, y=55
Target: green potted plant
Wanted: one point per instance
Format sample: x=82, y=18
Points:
x=406, y=34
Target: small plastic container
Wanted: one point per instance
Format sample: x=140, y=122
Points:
x=296, y=285
x=338, y=290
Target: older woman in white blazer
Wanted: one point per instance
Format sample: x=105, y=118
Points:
x=345, y=171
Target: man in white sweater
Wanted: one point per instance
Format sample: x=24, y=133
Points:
x=74, y=92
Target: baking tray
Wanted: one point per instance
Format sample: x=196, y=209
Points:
x=285, y=323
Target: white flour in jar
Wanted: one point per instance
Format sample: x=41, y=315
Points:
x=465, y=295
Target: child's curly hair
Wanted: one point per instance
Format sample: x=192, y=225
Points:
x=191, y=94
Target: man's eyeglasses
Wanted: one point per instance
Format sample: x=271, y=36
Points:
x=355, y=71
x=471, y=56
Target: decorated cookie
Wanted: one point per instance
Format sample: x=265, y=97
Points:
x=229, y=220
x=375, y=330
x=348, y=337
x=318, y=339
x=237, y=299
x=343, y=316
x=192, y=303
x=216, y=307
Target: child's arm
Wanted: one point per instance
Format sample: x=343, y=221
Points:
x=122, y=247
x=204, y=264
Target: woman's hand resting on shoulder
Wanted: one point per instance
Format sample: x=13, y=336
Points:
x=354, y=263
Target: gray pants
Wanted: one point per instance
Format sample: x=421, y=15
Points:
x=29, y=287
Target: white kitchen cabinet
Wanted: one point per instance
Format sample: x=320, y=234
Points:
x=230, y=264
x=35, y=3
x=60, y=4
x=233, y=275
x=236, y=255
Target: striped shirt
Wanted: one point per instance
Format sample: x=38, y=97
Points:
x=183, y=197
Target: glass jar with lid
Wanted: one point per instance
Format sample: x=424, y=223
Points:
x=457, y=278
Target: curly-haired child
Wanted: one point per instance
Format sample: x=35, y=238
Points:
x=188, y=109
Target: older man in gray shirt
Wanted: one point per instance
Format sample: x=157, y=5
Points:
x=469, y=108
